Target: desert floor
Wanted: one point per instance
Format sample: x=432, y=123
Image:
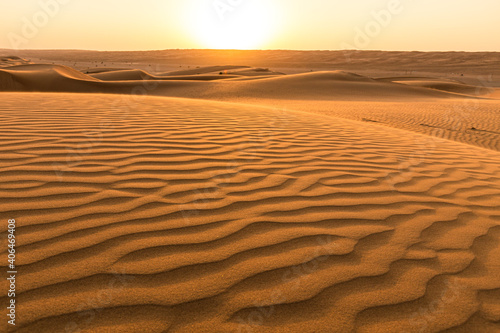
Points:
x=280, y=191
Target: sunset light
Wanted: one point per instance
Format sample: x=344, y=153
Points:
x=250, y=166
x=232, y=24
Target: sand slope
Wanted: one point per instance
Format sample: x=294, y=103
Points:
x=472, y=121
x=447, y=108
x=471, y=64
x=7, y=61
x=138, y=75
x=328, y=85
x=333, y=85
x=444, y=85
x=57, y=78
x=160, y=214
x=206, y=70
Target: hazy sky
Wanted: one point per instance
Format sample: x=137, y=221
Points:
x=470, y=25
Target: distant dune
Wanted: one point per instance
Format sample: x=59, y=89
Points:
x=477, y=63
x=243, y=198
x=445, y=85
x=335, y=85
x=7, y=61
x=446, y=116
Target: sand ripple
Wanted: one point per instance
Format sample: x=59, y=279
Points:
x=150, y=214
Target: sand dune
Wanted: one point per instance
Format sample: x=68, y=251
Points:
x=211, y=73
x=447, y=108
x=240, y=199
x=44, y=78
x=255, y=72
x=98, y=70
x=330, y=85
x=123, y=75
x=57, y=78
x=138, y=75
x=152, y=214
x=446, y=85
x=206, y=70
x=471, y=64
x=334, y=85
x=7, y=61
x=494, y=94
x=472, y=121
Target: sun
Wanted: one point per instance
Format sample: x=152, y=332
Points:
x=233, y=24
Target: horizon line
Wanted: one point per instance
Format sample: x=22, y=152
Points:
x=243, y=50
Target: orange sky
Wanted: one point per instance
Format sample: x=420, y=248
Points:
x=422, y=25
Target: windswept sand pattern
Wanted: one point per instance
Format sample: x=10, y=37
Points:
x=467, y=120
x=439, y=107
x=161, y=214
x=471, y=121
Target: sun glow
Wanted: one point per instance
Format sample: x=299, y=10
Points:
x=233, y=24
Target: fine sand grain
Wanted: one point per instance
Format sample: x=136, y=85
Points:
x=236, y=198
x=152, y=214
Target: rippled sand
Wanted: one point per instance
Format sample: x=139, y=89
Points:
x=155, y=214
